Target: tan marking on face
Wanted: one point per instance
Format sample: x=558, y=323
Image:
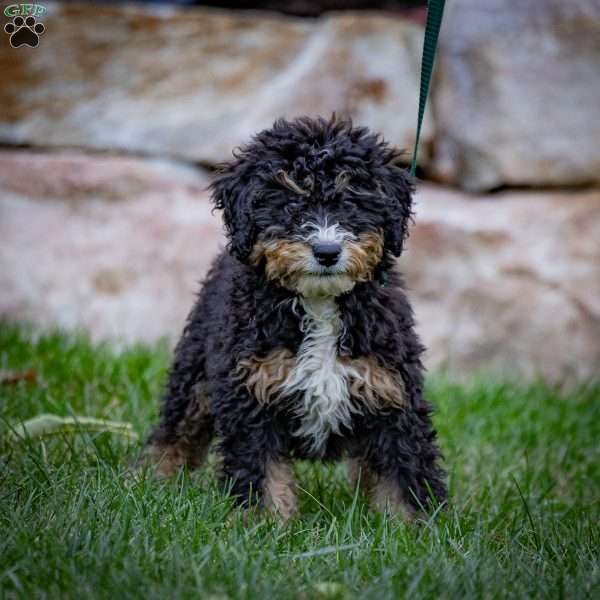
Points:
x=287, y=182
x=341, y=181
x=264, y=376
x=279, y=495
x=285, y=260
x=342, y=184
x=364, y=255
x=372, y=385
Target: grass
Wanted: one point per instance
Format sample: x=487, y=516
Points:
x=524, y=472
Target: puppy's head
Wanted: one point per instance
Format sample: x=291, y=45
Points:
x=319, y=205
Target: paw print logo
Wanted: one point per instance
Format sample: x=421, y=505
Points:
x=24, y=32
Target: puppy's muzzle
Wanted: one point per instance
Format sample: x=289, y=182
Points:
x=327, y=253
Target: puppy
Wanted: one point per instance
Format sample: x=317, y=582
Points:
x=301, y=343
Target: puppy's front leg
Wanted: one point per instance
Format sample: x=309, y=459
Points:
x=253, y=464
x=402, y=462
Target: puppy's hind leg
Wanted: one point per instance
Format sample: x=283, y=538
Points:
x=186, y=426
x=184, y=442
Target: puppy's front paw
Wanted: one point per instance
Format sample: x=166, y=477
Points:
x=386, y=496
x=279, y=494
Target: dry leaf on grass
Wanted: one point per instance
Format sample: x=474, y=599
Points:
x=47, y=424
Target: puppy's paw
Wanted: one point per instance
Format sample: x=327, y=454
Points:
x=279, y=490
x=162, y=461
x=387, y=497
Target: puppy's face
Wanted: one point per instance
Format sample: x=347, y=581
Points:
x=318, y=205
x=313, y=247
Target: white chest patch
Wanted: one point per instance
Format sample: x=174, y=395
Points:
x=319, y=377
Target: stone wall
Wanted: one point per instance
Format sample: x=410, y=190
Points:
x=104, y=215
x=516, y=98
x=194, y=83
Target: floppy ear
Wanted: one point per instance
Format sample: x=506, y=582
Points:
x=232, y=192
x=397, y=186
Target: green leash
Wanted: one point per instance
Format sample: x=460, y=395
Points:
x=435, y=11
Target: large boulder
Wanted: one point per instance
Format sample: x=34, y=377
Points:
x=517, y=92
x=508, y=283
x=195, y=83
x=117, y=246
x=114, y=246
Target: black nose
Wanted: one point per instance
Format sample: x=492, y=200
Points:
x=327, y=253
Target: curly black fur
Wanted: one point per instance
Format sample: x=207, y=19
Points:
x=351, y=177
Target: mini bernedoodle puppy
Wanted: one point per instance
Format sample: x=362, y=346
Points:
x=301, y=343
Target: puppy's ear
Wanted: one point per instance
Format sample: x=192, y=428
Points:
x=397, y=186
x=233, y=192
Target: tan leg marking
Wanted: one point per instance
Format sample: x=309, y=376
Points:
x=279, y=495
x=191, y=448
x=383, y=492
x=167, y=460
x=358, y=475
x=386, y=496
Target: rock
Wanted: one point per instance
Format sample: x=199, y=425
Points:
x=516, y=94
x=509, y=285
x=195, y=83
x=114, y=246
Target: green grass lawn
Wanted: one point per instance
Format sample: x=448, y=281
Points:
x=524, y=473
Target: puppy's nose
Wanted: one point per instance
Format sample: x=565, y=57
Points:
x=327, y=253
